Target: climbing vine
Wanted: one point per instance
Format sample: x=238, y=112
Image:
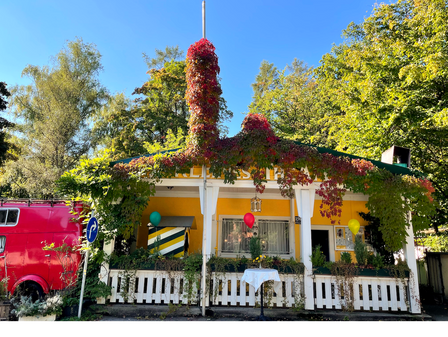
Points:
x=255, y=149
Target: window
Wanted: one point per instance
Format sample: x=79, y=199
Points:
x=345, y=239
x=235, y=236
x=274, y=235
x=2, y=243
x=9, y=217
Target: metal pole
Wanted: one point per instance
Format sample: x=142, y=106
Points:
x=203, y=19
x=84, y=273
x=204, y=239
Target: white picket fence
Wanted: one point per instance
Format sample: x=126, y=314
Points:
x=226, y=289
x=369, y=293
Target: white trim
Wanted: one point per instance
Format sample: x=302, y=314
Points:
x=7, y=209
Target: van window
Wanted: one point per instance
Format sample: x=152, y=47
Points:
x=9, y=217
x=2, y=243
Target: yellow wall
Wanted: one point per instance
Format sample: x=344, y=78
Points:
x=191, y=207
x=173, y=207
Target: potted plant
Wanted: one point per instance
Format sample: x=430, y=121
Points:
x=41, y=310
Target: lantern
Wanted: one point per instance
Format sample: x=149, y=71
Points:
x=255, y=204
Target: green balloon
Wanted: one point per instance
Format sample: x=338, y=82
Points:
x=155, y=218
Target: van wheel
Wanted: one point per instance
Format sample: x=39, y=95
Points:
x=30, y=289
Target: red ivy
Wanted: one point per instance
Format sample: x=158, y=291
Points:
x=255, y=148
x=203, y=96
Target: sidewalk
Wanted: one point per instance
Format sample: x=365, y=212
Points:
x=129, y=312
x=438, y=312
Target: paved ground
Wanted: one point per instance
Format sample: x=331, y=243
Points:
x=438, y=312
x=129, y=312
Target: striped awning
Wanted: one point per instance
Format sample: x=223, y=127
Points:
x=172, y=240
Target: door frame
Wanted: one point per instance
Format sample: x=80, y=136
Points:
x=330, y=230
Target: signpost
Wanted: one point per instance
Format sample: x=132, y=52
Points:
x=91, y=234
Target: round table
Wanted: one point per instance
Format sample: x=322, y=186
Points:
x=256, y=277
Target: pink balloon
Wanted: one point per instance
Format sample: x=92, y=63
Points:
x=249, y=219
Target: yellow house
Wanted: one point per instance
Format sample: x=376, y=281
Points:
x=200, y=213
x=278, y=223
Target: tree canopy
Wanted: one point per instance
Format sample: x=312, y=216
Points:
x=126, y=126
x=291, y=101
x=389, y=79
x=54, y=116
x=4, y=144
x=384, y=85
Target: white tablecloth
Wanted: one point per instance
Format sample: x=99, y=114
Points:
x=255, y=277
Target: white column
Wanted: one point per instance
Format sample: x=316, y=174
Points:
x=208, y=198
x=305, y=206
x=409, y=253
x=104, y=272
x=292, y=227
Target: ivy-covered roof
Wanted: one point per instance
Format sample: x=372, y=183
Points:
x=395, y=169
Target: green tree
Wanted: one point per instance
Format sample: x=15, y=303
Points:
x=387, y=84
x=127, y=126
x=4, y=144
x=291, y=101
x=54, y=116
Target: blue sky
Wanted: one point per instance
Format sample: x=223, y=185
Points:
x=244, y=33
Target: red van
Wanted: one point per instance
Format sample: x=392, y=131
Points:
x=25, y=227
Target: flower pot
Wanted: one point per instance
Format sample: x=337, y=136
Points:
x=5, y=308
x=38, y=318
x=4, y=311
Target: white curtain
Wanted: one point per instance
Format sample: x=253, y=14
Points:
x=274, y=235
x=235, y=236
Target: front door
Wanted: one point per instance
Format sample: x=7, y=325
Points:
x=320, y=237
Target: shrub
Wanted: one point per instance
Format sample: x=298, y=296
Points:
x=361, y=252
x=346, y=257
x=317, y=257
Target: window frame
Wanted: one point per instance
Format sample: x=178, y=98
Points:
x=361, y=233
x=5, y=224
x=221, y=217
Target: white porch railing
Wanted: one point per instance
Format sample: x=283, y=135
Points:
x=150, y=287
x=161, y=287
x=228, y=289
x=369, y=293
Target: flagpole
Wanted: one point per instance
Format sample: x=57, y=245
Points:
x=204, y=204
x=203, y=19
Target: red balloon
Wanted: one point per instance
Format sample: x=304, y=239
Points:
x=249, y=219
